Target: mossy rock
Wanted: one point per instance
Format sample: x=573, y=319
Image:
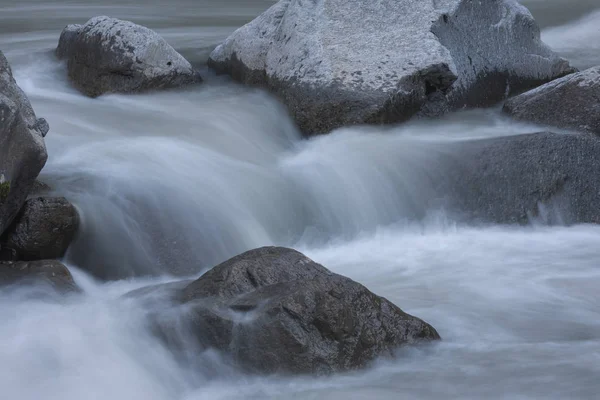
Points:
x=4, y=191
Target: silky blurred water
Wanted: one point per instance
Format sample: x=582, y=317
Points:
x=172, y=183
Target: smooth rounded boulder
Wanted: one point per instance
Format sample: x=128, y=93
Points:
x=44, y=229
x=571, y=102
x=22, y=148
x=344, y=62
x=108, y=55
x=273, y=310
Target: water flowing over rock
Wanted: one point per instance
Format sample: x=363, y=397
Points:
x=45, y=272
x=273, y=310
x=340, y=62
x=572, y=102
x=107, y=55
x=22, y=148
x=43, y=230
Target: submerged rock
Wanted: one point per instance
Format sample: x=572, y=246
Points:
x=46, y=272
x=343, y=62
x=572, y=102
x=107, y=55
x=22, y=148
x=273, y=310
x=44, y=229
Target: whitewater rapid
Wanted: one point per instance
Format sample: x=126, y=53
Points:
x=172, y=183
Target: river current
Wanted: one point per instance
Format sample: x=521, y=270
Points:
x=169, y=184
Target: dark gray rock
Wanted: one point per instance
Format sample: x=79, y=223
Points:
x=343, y=62
x=46, y=272
x=513, y=179
x=22, y=148
x=572, y=102
x=107, y=55
x=43, y=229
x=273, y=310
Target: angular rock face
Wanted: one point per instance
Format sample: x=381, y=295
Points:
x=46, y=272
x=107, y=55
x=345, y=62
x=44, y=229
x=572, y=102
x=22, y=149
x=273, y=310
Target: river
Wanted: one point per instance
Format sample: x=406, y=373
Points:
x=169, y=184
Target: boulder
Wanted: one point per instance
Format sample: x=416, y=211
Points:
x=343, y=62
x=571, y=102
x=22, y=148
x=514, y=179
x=43, y=229
x=107, y=55
x=45, y=272
x=273, y=310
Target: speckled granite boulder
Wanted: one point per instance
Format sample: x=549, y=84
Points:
x=344, y=62
x=572, y=102
x=107, y=55
x=274, y=310
x=22, y=148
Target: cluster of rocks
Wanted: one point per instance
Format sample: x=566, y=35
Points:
x=337, y=63
x=333, y=63
x=33, y=230
x=270, y=310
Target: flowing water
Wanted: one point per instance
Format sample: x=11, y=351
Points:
x=172, y=183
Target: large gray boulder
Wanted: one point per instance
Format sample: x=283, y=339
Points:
x=108, y=55
x=572, y=102
x=44, y=229
x=22, y=148
x=50, y=273
x=344, y=62
x=273, y=310
x=516, y=179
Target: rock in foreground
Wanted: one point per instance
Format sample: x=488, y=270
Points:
x=44, y=229
x=343, y=62
x=46, y=272
x=273, y=310
x=107, y=55
x=572, y=102
x=22, y=148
